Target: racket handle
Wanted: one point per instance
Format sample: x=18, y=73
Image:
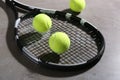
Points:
x=10, y=4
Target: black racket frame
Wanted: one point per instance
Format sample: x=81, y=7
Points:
x=88, y=28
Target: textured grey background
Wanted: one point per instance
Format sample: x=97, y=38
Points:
x=104, y=14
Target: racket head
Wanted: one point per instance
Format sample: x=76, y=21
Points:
x=87, y=43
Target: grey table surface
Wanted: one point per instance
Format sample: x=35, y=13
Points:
x=104, y=14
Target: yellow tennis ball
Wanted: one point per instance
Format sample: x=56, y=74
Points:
x=77, y=5
x=42, y=23
x=59, y=42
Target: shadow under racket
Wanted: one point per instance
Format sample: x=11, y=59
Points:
x=34, y=68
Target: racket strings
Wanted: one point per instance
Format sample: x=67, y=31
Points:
x=82, y=48
x=40, y=46
x=25, y=27
x=81, y=40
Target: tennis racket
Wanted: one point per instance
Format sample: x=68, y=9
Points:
x=87, y=43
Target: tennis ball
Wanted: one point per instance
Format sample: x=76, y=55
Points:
x=59, y=42
x=77, y=5
x=42, y=23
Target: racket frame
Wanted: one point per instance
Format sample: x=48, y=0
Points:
x=30, y=10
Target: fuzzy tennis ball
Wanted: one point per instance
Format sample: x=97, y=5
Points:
x=77, y=5
x=59, y=42
x=42, y=23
